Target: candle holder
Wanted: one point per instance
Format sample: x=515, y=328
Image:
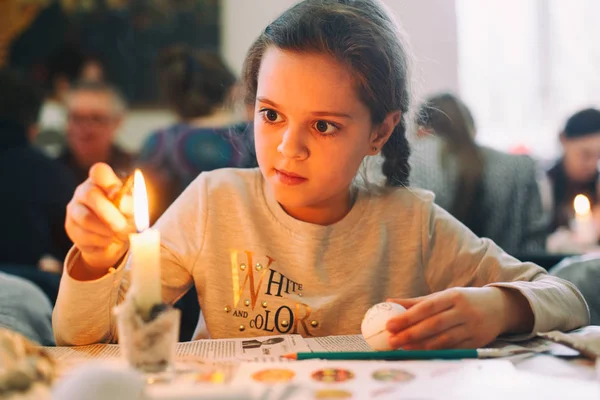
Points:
x=148, y=343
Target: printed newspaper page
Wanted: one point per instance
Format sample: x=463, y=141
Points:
x=338, y=343
x=246, y=349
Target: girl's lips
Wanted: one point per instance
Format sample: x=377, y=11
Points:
x=289, y=178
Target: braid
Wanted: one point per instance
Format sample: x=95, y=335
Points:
x=396, y=152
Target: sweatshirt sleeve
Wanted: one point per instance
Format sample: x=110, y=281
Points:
x=83, y=312
x=455, y=257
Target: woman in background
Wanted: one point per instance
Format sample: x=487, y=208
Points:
x=577, y=170
x=197, y=87
x=494, y=194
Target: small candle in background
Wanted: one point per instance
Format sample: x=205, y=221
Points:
x=583, y=223
x=145, y=253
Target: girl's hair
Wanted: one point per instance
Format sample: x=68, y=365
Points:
x=362, y=36
x=450, y=119
x=194, y=82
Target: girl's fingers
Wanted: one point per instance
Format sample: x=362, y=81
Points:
x=103, y=176
x=92, y=250
x=85, y=218
x=87, y=238
x=428, y=328
x=465, y=344
x=407, y=303
x=448, y=339
x=95, y=199
x=428, y=307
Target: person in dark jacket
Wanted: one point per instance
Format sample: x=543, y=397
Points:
x=35, y=189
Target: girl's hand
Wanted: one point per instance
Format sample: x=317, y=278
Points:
x=459, y=318
x=95, y=225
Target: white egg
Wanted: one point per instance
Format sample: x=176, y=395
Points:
x=374, y=323
x=100, y=381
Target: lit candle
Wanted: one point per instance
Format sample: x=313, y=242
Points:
x=583, y=224
x=145, y=252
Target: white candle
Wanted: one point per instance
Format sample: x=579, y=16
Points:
x=583, y=224
x=145, y=252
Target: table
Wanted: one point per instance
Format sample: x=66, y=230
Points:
x=524, y=376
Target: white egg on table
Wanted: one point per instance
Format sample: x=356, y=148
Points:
x=100, y=381
x=374, y=323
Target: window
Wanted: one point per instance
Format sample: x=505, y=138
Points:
x=525, y=66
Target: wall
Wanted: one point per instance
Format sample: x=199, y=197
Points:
x=429, y=24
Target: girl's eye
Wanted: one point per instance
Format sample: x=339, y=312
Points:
x=325, y=128
x=270, y=116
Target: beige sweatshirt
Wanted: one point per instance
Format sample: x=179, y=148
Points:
x=259, y=271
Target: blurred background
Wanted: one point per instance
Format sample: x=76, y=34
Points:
x=522, y=67
x=507, y=93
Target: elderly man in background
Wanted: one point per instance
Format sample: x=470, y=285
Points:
x=95, y=112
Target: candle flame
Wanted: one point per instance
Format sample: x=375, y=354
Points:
x=582, y=205
x=140, y=202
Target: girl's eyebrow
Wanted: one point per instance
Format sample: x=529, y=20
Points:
x=331, y=114
x=265, y=100
x=315, y=113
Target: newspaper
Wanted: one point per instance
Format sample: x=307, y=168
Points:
x=338, y=343
x=268, y=348
x=246, y=349
x=272, y=347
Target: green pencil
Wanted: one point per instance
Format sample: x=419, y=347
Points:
x=397, y=355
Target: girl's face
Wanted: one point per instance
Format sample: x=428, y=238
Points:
x=311, y=133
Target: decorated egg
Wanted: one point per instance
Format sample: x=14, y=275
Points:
x=374, y=323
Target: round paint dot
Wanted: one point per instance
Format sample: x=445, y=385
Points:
x=392, y=375
x=274, y=375
x=325, y=394
x=216, y=377
x=331, y=375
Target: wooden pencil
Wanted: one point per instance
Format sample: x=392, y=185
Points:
x=397, y=355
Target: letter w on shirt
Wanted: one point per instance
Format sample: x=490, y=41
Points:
x=238, y=286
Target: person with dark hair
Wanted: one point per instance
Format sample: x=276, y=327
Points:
x=197, y=86
x=576, y=172
x=301, y=245
x=95, y=112
x=63, y=68
x=494, y=194
x=36, y=189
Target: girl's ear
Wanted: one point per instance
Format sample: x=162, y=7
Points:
x=383, y=131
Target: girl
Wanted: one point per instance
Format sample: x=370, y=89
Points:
x=295, y=246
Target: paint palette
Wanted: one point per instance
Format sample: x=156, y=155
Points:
x=316, y=379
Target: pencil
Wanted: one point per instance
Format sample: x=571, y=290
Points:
x=397, y=355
